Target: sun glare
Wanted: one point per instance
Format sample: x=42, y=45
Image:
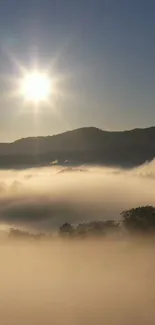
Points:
x=36, y=87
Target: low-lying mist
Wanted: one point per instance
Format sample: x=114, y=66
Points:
x=82, y=283
x=98, y=281
x=44, y=198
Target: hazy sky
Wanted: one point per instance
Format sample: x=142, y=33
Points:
x=104, y=52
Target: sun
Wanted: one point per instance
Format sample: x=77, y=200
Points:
x=36, y=87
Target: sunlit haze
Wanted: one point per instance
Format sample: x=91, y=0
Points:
x=36, y=86
x=77, y=162
x=105, y=47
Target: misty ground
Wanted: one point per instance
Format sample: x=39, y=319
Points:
x=98, y=282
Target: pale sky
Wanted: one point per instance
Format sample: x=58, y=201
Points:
x=101, y=52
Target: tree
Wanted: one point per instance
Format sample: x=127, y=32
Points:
x=96, y=228
x=24, y=235
x=140, y=219
x=66, y=229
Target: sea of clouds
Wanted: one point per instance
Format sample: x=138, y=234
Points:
x=43, y=198
x=91, y=282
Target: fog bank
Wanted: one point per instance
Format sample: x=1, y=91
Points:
x=63, y=283
x=44, y=198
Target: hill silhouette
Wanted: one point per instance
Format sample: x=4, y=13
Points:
x=87, y=145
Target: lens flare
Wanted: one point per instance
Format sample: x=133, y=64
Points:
x=36, y=87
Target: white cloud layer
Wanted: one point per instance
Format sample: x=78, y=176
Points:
x=44, y=198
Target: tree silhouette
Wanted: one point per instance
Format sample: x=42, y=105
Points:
x=141, y=219
x=66, y=229
x=96, y=228
x=20, y=234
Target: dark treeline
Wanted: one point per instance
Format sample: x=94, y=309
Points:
x=93, y=229
x=140, y=220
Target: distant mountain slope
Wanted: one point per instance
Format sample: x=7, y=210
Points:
x=85, y=145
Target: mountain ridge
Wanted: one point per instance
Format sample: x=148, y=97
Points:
x=82, y=145
x=81, y=128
